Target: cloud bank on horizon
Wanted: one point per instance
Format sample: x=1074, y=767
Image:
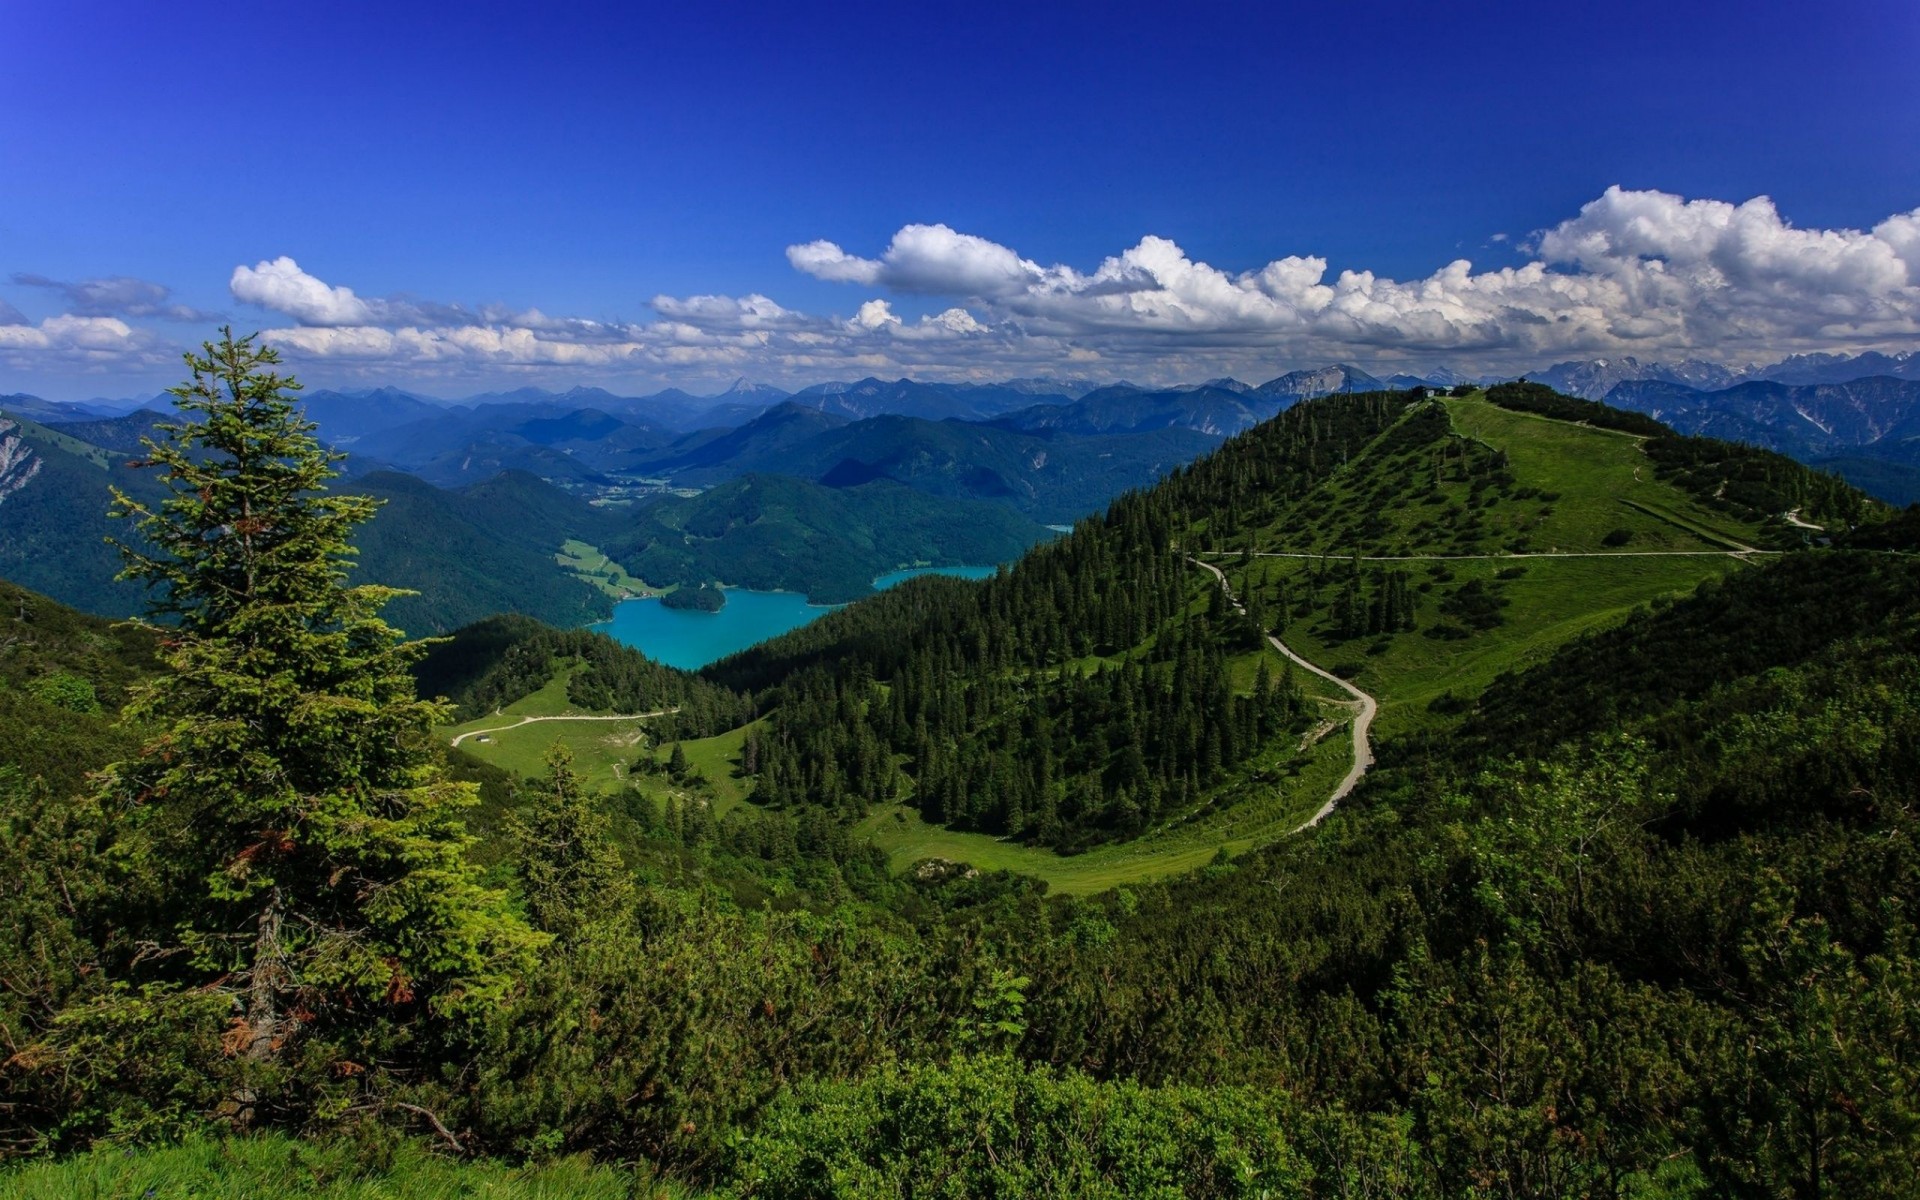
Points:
x=1635, y=272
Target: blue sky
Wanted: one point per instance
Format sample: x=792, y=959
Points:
x=624, y=194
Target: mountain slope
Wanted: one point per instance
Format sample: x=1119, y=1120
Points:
x=54, y=496
x=556, y=440
x=1216, y=411
x=1050, y=477
x=1877, y=416
x=124, y=434
x=472, y=553
x=773, y=532
x=1420, y=548
x=63, y=676
x=761, y=444
x=345, y=418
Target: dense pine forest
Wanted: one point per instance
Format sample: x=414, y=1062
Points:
x=1624, y=907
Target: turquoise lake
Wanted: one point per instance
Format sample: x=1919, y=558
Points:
x=690, y=640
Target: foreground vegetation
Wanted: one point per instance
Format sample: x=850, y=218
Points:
x=1630, y=916
x=248, y=1169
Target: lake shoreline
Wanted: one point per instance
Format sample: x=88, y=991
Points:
x=691, y=639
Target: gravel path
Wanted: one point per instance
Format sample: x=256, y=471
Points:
x=530, y=720
x=1365, y=706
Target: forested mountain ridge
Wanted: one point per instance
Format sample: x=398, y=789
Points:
x=484, y=549
x=1349, y=522
x=54, y=524
x=493, y=545
x=488, y=548
x=1050, y=476
x=1623, y=909
x=773, y=532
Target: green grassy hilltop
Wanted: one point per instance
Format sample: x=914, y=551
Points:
x=1419, y=547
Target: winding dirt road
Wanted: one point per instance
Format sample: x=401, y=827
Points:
x=1364, y=706
x=530, y=720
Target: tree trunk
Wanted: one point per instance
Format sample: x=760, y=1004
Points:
x=266, y=1024
x=267, y=980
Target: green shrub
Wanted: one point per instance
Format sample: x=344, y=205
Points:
x=63, y=689
x=992, y=1127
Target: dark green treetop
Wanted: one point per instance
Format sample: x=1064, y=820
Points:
x=571, y=872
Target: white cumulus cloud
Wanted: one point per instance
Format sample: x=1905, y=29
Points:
x=281, y=286
x=70, y=340
x=1641, y=272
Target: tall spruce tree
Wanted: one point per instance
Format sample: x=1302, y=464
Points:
x=570, y=870
x=290, y=789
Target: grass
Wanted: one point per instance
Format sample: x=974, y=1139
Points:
x=1604, y=479
x=1574, y=490
x=1246, y=816
x=602, y=750
x=589, y=564
x=1572, y=486
x=274, y=1167
x=1553, y=601
x=716, y=759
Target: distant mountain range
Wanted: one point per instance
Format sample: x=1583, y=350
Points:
x=1868, y=430
x=1048, y=450
x=492, y=545
x=681, y=411
x=1595, y=379
x=774, y=532
x=1296, y=386
x=906, y=397
x=821, y=490
x=1217, y=409
x=1050, y=475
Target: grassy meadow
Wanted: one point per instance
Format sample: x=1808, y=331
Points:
x=1548, y=601
x=591, y=565
x=1243, y=817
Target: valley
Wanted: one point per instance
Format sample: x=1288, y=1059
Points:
x=1446, y=537
x=1272, y=703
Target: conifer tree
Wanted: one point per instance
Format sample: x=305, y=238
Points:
x=316, y=863
x=569, y=868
